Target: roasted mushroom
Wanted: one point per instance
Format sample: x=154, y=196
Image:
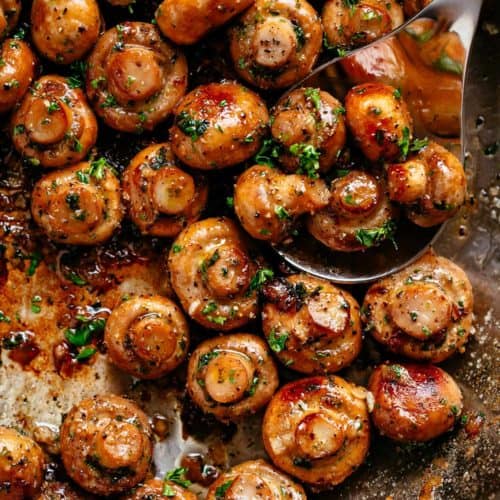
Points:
x=187, y=21
x=413, y=402
x=318, y=430
x=311, y=325
x=359, y=216
x=9, y=15
x=55, y=490
x=135, y=78
x=255, y=480
x=275, y=43
x=17, y=70
x=156, y=489
x=232, y=376
x=162, y=199
x=147, y=336
x=78, y=205
x=21, y=466
x=432, y=185
x=423, y=312
x=213, y=274
x=351, y=24
x=304, y=119
x=218, y=125
x=268, y=202
x=106, y=444
x=65, y=31
x=54, y=126
x=379, y=120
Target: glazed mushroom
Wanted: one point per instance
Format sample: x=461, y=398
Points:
x=78, y=205
x=359, y=215
x=432, y=185
x=379, y=120
x=54, y=126
x=156, y=489
x=106, y=444
x=413, y=403
x=311, y=325
x=21, y=465
x=317, y=429
x=275, y=43
x=147, y=337
x=256, y=480
x=232, y=376
x=17, y=70
x=55, y=490
x=413, y=7
x=268, y=203
x=65, y=31
x=423, y=312
x=187, y=21
x=162, y=199
x=135, y=78
x=305, y=118
x=9, y=15
x=352, y=24
x=213, y=274
x=218, y=125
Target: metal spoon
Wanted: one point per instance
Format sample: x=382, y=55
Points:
x=310, y=256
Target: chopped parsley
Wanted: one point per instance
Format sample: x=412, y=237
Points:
x=277, y=341
x=190, y=126
x=261, y=276
x=445, y=63
x=178, y=476
x=220, y=491
x=281, y=212
x=315, y=97
x=269, y=153
x=75, y=279
x=83, y=334
x=308, y=159
x=35, y=259
x=206, y=358
x=372, y=237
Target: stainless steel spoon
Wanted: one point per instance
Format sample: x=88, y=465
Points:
x=308, y=255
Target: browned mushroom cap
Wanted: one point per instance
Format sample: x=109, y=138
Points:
x=413, y=7
x=21, y=466
x=186, y=21
x=162, y=199
x=414, y=402
x=232, y=376
x=268, y=202
x=54, y=125
x=256, y=480
x=78, y=205
x=318, y=430
x=17, y=70
x=351, y=24
x=423, y=312
x=276, y=43
x=379, y=120
x=65, y=31
x=156, y=489
x=106, y=444
x=309, y=117
x=55, y=490
x=212, y=271
x=135, y=78
x=218, y=125
x=432, y=185
x=311, y=325
x=360, y=214
x=9, y=15
x=147, y=336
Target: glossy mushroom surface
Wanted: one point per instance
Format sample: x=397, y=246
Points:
x=156, y=489
x=21, y=466
x=317, y=429
x=275, y=43
x=65, y=31
x=187, y=21
x=54, y=125
x=423, y=312
x=162, y=198
x=211, y=270
x=268, y=202
x=359, y=215
x=9, y=15
x=147, y=336
x=256, y=480
x=78, y=205
x=17, y=71
x=218, y=125
x=106, y=444
x=311, y=325
x=232, y=376
x=135, y=78
x=414, y=403
x=56, y=490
